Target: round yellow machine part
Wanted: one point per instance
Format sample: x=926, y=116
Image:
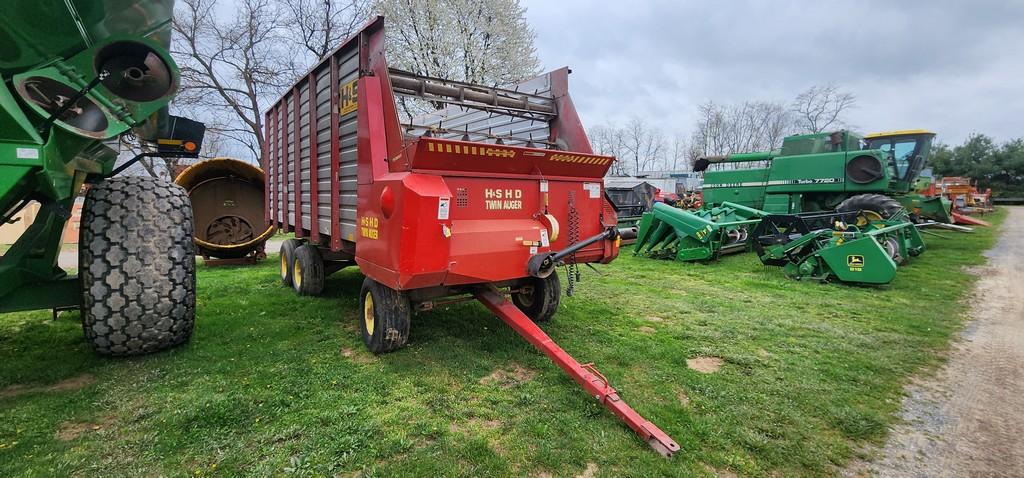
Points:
x=368, y=313
x=867, y=216
x=551, y=223
x=297, y=274
x=284, y=266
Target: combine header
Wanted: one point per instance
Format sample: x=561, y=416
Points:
x=483, y=198
x=847, y=246
x=670, y=233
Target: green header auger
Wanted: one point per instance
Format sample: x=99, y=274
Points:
x=844, y=246
x=76, y=76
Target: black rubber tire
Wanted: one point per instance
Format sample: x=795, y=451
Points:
x=542, y=303
x=288, y=260
x=391, y=314
x=308, y=270
x=137, y=266
x=884, y=205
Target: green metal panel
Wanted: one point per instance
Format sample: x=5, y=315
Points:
x=50, y=51
x=35, y=32
x=860, y=260
x=777, y=204
x=741, y=186
x=807, y=173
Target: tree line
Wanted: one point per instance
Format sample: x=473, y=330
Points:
x=721, y=129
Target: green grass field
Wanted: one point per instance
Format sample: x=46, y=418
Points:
x=274, y=384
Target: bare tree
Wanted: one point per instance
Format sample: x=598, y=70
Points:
x=744, y=127
x=643, y=145
x=678, y=154
x=229, y=69
x=320, y=26
x=608, y=140
x=821, y=107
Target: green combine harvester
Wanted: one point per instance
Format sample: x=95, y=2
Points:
x=839, y=171
x=77, y=76
x=818, y=180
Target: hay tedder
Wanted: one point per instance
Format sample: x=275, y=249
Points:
x=481, y=199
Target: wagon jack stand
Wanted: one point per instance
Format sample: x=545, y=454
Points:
x=584, y=374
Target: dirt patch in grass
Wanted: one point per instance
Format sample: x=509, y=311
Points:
x=684, y=399
x=71, y=430
x=77, y=382
x=508, y=377
x=357, y=356
x=589, y=472
x=652, y=318
x=647, y=330
x=705, y=364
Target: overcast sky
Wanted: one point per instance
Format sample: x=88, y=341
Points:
x=954, y=67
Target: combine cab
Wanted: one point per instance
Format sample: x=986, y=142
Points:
x=481, y=198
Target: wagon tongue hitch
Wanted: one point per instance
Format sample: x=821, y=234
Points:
x=542, y=265
x=584, y=374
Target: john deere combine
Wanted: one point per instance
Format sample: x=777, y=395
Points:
x=76, y=75
x=839, y=171
x=793, y=206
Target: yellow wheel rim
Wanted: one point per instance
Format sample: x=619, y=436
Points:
x=297, y=275
x=368, y=313
x=284, y=267
x=867, y=216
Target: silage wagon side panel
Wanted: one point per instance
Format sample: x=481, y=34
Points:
x=311, y=152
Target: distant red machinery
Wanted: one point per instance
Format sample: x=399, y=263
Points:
x=483, y=198
x=965, y=195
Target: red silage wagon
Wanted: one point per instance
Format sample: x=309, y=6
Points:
x=481, y=198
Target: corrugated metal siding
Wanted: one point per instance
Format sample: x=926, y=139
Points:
x=289, y=165
x=281, y=186
x=348, y=70
x=323, y=145
x=304, y=162
x=288, y=191
x=467, y=120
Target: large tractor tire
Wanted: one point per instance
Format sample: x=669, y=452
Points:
x=288, y=261
x=880, y=205
x=385, y=315
x=308, y=270
x=137, y=262
x=538, y=298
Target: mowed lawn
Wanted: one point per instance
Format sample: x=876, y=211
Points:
x=274, y=384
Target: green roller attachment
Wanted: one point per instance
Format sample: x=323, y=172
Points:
x=669, y=233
